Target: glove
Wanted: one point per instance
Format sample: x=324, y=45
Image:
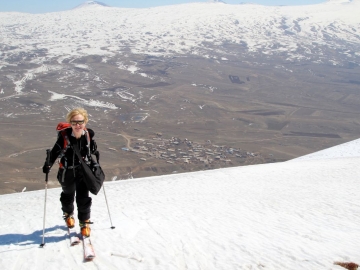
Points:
x=46, y=167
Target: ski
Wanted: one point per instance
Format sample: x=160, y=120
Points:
x=73, y=236
x=89, y=253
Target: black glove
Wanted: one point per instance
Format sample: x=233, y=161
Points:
x=46, y=167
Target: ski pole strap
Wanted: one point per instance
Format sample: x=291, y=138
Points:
x=97, y=154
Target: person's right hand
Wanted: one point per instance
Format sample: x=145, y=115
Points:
x=46, y=167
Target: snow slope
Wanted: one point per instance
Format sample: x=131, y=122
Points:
x=303, y=214
x=349, y=149
x=203, y=29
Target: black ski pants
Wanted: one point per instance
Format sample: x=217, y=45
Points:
x=73, y=184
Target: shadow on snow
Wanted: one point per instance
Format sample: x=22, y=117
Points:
x=52, y=235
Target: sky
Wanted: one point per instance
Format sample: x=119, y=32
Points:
x=299, y=214
x=44, y=6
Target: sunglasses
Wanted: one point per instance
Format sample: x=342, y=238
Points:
x=74, y=123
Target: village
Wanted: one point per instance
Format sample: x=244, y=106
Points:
x=176, y=150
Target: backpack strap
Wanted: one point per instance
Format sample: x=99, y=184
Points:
x=96, y=153
x=66, y=145
x=88, y=143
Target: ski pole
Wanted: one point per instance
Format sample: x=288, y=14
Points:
x=46, y=180
x=112, y=227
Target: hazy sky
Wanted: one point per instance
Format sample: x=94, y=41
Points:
x=42, y=6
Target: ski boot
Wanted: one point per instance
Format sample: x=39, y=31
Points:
x=69, y=220
x=85, y=227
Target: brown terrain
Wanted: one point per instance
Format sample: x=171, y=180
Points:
x=186, y=114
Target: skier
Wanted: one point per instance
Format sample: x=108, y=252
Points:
x=70, y=174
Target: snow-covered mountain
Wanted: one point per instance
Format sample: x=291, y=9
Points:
x=322, y=33
x=216, y=1
x=303, y=214
x=91, y=4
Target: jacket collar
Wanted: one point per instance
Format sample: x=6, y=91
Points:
x=83, y=133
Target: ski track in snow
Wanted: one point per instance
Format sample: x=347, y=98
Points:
x=302, y=214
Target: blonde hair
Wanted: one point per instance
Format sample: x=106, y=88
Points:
x=75, y=112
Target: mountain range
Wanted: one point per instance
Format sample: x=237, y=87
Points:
x=322, y=33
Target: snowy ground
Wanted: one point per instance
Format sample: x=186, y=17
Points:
x=302, y=214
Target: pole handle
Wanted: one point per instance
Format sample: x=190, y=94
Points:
x=48, y=155
x=47, y=162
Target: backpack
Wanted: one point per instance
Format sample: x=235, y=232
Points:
x=61, y=130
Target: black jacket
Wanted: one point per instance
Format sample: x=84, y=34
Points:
x=70, y=158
